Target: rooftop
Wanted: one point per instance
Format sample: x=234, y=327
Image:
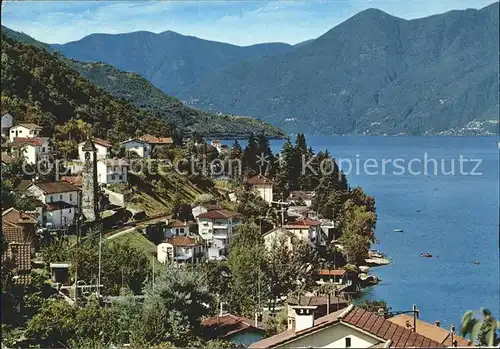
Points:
x=226, y=325
x=259, y=179
x=34, y=141
x=395, y=336
x=156, y=140
x=58, y=205
x=56, y=187
x=332, y=272
x=101, y=142
x=219, y=214
x=316, y=300
x=30, y=126
x=75, y=180
x=7, y=159
x=182, y=241
x=302, y=223
x=17, y=217
x=176, y=223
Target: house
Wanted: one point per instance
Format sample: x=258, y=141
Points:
x=325, y=304
x=186, y=249
x=432, y=331
x=24, y=131
x=61, y=203
x=333, y=276
x=308, y=230
x=7, y=159
x=263, y=186
x=217, y=145
x=236, y=329
x=301, y=196
x=277, y=235
x=102, y=146
x=19, y=253
x=165, y=252
x=141, y=148
x=25, y=222
x=216, y=227
x=77, y=180
x=202, y=208
x=7, y=121
x=178, y=228
x=156, y=142
x=32, y=149
x=351, y=327
x=112, y=171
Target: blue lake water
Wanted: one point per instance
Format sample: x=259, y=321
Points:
x=458, y=221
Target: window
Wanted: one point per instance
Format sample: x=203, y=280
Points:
x=113, y=177
x=347, y=342
x=51, y=198
x=121, y=177
x=69, y=211
x=20, y=131
x=43, y=149
x=70, y=196
x=177, y=231
x=60, y=197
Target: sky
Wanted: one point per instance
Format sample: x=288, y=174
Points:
x=235, y=22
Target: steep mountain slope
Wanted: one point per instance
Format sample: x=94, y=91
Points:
x=40, y=88
x=133, y=88
x=372, y=74
x=170, y=61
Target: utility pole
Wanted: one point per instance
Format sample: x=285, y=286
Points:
x=154, y=274
x=415, y=316
x=77, y=251
x=99, y=273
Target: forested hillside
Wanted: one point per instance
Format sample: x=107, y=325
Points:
x=38, y=87
x=144, y=96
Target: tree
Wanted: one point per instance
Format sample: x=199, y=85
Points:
x=482, y=331
x=251, y=206
x=355, y=247
x=373, y=306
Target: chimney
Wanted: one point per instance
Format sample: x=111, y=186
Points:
x=304, y=317
x=437, y=323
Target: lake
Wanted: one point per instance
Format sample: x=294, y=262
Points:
x=458, y=221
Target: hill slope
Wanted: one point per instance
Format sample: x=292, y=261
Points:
x=372, y=74
x=170, y=61
x=133, y=88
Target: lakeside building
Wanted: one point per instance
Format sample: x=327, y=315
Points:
x=179, y=228
x=351, y=327
x=203, y=208
x=141, y=148
x=181, y=249
x=233, y=328
x=308, y=230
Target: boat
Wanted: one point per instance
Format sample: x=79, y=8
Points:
x=476, y=262
x=418, y=210
x=398, y=230
x=426, y=255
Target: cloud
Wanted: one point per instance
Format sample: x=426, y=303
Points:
x=241, y=23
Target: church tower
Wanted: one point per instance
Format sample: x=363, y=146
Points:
x=90, y=189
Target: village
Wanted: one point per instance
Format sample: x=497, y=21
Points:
x=202, y=221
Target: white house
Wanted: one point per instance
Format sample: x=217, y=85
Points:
x=112, y=171
x=308, y=230
x=202, y=208
x=61, y=203
x=165, y=252
x=7, y=121
x=141, y=148
x=277, y=236
x=24, y=131
x=103, y=148
x=32, y=149
x=301, y=196
x=263, y=186
x=350, y=327
x=216, y=227
x=186, y=249
x=178, y=228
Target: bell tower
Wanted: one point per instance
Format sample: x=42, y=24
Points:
x=90, y=189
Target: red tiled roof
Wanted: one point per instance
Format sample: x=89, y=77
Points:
x=20, y=254
x=259, y=179
x=17, y=217
x=102, y=142
x=182, y=241
x=361, y=319
x=34, y=141
x=179, y=224
x=303, y=223
x=58, y=205
x=219, y=214
x=431, y=331
x=156, y=140
x=75, y=180
x=226, y=325
x=332, y=272
x=56, y=187
x=16, y=234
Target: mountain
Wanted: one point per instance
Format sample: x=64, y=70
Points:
x=170, y=61
x=38, y=87
x=372, y=74
x=133, y=88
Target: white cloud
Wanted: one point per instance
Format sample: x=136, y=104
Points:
x=241, y=23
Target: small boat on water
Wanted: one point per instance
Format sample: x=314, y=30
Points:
x=418, y=210
x=426, y=255
x=476, y=262
x=398, y=230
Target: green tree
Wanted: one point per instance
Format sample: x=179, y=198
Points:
x=482, y=331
